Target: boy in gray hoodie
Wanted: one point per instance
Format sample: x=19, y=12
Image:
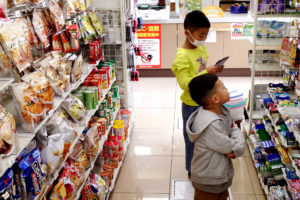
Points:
x=216, y=138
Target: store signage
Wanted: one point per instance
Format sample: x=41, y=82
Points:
x=213, y=11
x=150, y=40
x=241, y=31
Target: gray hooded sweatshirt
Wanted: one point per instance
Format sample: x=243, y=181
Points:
x=214, y=136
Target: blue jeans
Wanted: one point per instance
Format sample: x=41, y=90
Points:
x=189, y=146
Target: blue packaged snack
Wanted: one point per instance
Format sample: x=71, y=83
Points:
x=6, y=185
x=32, y=175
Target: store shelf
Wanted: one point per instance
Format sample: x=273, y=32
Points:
x=271, y=43
x=4, y=82
x=117, y=171
x=279, y=15
x=92, y=165
x=268, y=67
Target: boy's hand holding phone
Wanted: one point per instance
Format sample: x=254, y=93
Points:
x=214, y=69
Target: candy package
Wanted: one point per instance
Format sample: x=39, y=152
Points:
x=65, y=42
x=28, y=105
x=54, y=79
x=32, y=174
x=41, y=27
x=15, y=44
x=42, y=88
x=57, y=16
x=56, y=43
x=52, y=153
x=74, y=37
x=75, y=108
x=77, y=69
x=96, y=23
x=95, y=188
x=7, y=132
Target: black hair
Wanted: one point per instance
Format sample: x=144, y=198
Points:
x=200, y=86
x=196, y=19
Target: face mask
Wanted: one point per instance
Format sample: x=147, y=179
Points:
x=196, y=43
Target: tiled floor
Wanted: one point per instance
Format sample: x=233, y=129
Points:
x=156, y=153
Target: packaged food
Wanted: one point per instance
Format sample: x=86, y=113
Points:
x=74, y=107
x=41, y=27
x=24, y=26
x=68, y=9
x=82, y=5
x=74, y=37
x=7, y=185
x=5, y=63
x=52, y=153
x=28, y=105
x=107, y=176
x=82, y=162
x=76, y=4
x=54, y=78
x=57, y=16
x=15, y=44
x=77, y=69
x=95, y=188
x=56, y=43
x=72, y=173
x=36, y=41
x=42, y=88
x=32, y=174
x=96, y=23
x=92, y=142
x=65, y=42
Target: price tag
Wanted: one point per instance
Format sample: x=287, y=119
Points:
x=18, y=13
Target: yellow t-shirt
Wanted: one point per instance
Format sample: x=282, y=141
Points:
x=188, y=64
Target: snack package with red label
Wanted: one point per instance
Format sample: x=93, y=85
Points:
x=25, y=27
x=56, y=43
x=74, y=37
x=56, y=16
x=5, y=63
x=65, y=42
x=72, y=173
x=41, y=27
x=36, y=41
x=95, y=188
x=77, y=69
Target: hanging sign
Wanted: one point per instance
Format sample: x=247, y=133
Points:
x=213, y=11
x=150, y=40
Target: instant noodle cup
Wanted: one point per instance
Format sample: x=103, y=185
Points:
x=118, y=129
x=119, y=121
x=115, y=158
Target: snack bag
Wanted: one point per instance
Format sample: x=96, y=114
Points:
x=68, y=9
x=7, y=185
x=7, y=132
x=41, y=27
x=54, y=79
x=79, y=157
x=88, y=25
x=77, y=69
x=5, y=63
x=75, y=108
x=56, y=64
x=57, y=16
x=33, y=176
x=82, y=5
x=42, y=88
x=25, y=27
x=53, y=151
x=65, y=42
x=36, y=41
x=96, y=23
x=63, y=190
x=28, y=105
x=95, y=188
x=56, y=43
x=72, y=173
x=74, y=37
x=91, y=142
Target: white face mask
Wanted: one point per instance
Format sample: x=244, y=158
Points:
x=196, y=43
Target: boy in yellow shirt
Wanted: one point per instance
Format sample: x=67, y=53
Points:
x=191, y=61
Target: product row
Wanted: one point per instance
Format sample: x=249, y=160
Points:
x=276, y=7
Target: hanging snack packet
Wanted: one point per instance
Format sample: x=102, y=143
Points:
x=36, y=41
x=56, y=43
x=56, y=64
x=95, y=188
x=74, y=37
x=7, y=132
x=41, y=27
x=57, y=16
x=91, y=142
x=96, y=23
x=72, y=173
x=42, y=88
x=5, y=63
x=76, y=5
x=75, y=108
x=68, y=9
x=28, y=105
x=88, y=25
x=24, y=27
x=82, y=5
x=65, y=42
x=54, y=79
x=33, y=176
x=63, y=190
x=7, y=185
x=77, y=69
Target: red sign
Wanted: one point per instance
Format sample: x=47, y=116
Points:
x=150, y=40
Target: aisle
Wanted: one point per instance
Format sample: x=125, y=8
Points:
x=156, y=153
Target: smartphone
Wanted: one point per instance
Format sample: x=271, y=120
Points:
x=222, y=61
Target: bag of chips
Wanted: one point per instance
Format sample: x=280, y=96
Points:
x=32, y=174
x=42, y=88
x=54, y=79
x=75, y=108
x=96, y=23
x=94, y=188
x=63, y=190
x=88, y=25
x=77, y=69
x=28, y=105
x=74, y=37
x=56, y=43
x=7, y=185
x=65, y=42
x=25, y=27
x=36, y=41
x=5, y=63
x=79, y=157
x=7, y=132
x=53, y=151
x=91, y=142
x=56, y=16
x=72, y=173
x=41, y=27
x=68, y=9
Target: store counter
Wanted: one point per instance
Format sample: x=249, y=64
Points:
x=172, y=37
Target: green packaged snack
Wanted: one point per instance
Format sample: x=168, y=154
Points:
x=89, y=99
x=96, y=23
